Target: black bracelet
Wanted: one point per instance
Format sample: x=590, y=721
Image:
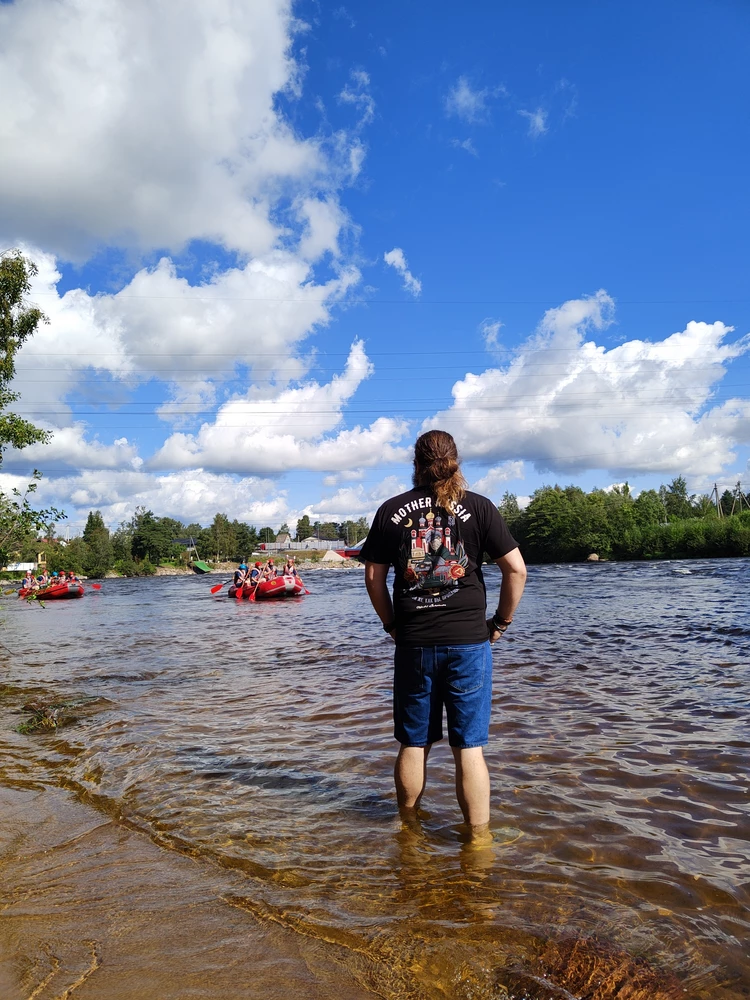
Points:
x=388, y=626
x=501, y=624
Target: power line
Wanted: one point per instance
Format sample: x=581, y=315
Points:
x=333, y=299
x=401, y=353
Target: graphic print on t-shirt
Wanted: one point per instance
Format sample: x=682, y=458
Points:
x=433, y=558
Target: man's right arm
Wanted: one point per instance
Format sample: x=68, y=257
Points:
x=376, y=575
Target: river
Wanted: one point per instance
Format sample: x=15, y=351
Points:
x=218, y=821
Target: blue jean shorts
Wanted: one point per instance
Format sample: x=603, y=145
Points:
x=426, y=678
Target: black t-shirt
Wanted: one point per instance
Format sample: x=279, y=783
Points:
x=439, y=596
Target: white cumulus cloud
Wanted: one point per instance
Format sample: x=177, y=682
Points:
x=568, y=404
x=291, y=429
x=395, y=258
x=496, y=478
x=151, y=125
x=190, y=337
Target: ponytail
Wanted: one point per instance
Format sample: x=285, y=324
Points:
x=436, y=467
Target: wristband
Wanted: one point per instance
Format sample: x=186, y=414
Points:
x=501, y=624
x=388, y=626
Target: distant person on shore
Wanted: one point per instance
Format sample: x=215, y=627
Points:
x=434, y=536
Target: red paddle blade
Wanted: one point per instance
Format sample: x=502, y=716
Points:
x=251, y=595
x=217, y=588
x=96, y=586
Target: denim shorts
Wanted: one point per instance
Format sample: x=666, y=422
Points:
x=426, y=678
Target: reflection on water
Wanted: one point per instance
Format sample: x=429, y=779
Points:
x=256, y=740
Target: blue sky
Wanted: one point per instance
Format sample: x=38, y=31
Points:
x=277, y=241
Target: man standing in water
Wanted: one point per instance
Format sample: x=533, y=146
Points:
x=434, y=536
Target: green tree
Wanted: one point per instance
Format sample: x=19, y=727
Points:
x=122, y=542
x=18, y=322
x=99, y=556
x=648, y=508
x=676, y=499
x=353, y=531
x=222, y=538
x=19, y=522
x=509, y=509
x=327, y=530
x=304, y=529
x=727, y=498
x=67, y=556
x=201, y=537
x=153, y=537
x=246, y=539
x=703, y=506
x=267, y=535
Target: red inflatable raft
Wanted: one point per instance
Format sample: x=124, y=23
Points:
x=281, y=586
x=57, y=592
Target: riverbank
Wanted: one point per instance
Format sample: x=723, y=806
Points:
x=55, y=850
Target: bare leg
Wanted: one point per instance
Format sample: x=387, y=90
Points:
x=410, y=775
x=473, y=788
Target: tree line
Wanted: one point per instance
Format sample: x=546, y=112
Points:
x=566, y=524
x=146, y=541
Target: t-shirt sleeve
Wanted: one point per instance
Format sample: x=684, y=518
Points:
x=375, y=548
x=499, y=541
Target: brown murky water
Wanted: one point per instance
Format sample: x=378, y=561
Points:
x=219, y=821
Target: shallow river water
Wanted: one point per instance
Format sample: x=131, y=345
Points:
x=218, y=821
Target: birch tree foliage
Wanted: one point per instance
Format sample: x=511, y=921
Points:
x=18, y=321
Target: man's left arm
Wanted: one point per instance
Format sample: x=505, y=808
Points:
x=513, y=569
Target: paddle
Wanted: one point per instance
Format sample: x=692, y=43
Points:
x=217, y=588
x=95, y=586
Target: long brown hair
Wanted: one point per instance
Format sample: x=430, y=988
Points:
x=436, y=467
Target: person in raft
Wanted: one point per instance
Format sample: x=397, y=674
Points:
x=240, y=575
x=29, y=580
x=434, y=536
x=255, y=574
x=269, y=571
x=289, y=568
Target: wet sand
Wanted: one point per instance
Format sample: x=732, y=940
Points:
x=91, y=909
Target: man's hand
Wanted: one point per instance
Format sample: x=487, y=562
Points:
x=494, y=631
